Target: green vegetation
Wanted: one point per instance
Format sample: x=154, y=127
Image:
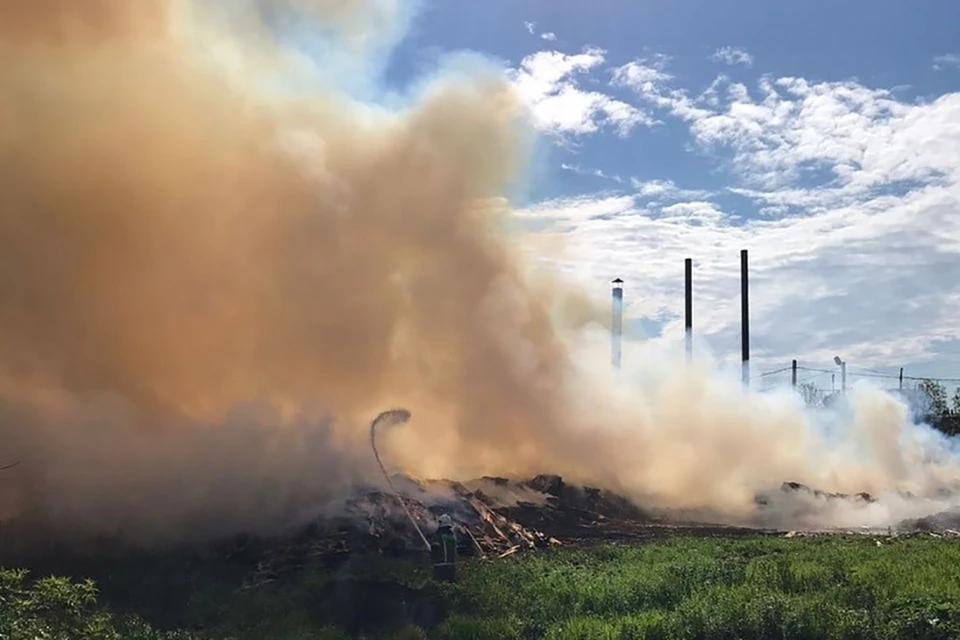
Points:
x=681, y=588
x=60, y=608
x=702, y=588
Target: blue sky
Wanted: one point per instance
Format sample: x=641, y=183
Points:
x=824, y=137
x=883, y=44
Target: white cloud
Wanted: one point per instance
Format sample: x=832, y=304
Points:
x=547, y=82
x=947, y=61
x=532, y=30
x=859, y=253
x=698, y=211
x=665, y=190
x=860, y=138
x=857, y=137
x=597, y=173
x=649, y=79
x=732, y=56
x=578, y=209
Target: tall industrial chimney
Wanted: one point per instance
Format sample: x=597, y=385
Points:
x=745, y=318
x=616, y=333
x=688, y=325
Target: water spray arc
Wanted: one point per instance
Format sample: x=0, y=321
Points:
x=394, y=417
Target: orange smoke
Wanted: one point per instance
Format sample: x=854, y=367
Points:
x=186, y=244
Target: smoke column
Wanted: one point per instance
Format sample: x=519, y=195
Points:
x=216, y=266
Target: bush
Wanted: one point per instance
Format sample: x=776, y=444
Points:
x=63, y=609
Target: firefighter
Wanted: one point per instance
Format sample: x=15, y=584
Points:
x=445, y=550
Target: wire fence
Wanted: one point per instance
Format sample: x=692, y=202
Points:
x=886, y=376
x=938, y=405
x=865, y=373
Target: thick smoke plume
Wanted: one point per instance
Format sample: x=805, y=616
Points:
x=211, y=282
x=215, y=270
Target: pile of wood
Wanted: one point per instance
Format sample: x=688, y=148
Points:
x=496, y=518
x=375, y=521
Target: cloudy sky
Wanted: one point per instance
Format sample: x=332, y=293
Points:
x=823, y=137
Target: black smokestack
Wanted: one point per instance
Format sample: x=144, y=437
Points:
x=616, y=335
x=688, y=324
x=745, y=317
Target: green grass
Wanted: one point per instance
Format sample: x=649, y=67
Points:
x=699, y=588
x=683, y=588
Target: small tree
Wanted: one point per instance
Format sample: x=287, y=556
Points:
x=935, y=396
x=956, y=401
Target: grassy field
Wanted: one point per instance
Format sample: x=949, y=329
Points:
x=682, y=588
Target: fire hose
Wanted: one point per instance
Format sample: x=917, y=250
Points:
x=394, y=417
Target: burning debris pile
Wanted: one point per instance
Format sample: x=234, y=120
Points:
x=485, y=530
x=799, y=507
x=794, y=487
x=494, y=518
x=574, y=513
x=497, y=517
x=370, y=520
x=946, y=522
